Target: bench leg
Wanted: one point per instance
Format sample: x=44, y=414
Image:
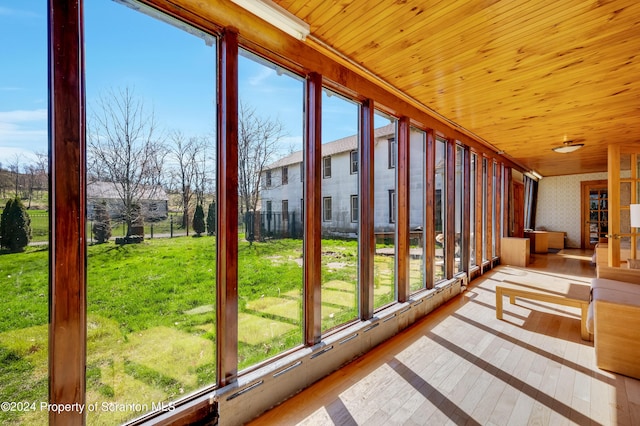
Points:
x=499, y=303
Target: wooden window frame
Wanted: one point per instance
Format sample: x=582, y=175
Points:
x=67, y=273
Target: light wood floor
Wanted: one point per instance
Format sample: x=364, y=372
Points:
x=461, y=365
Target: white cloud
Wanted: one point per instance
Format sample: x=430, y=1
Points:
x=259, y=78
x=20, y=116
x=8, y=155
x=22, y=132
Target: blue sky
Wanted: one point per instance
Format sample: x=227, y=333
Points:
x=171, y=70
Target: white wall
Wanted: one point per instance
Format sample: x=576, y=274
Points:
x=559, y=204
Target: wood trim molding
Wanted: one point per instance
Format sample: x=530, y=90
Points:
x=227, y=238
x=450, y=221
x=429, y=210
x=480, y=199
x=466, y=242
x=613, y=155
x=402, y=209
x=367, y=244
x=585, y=187
x=313, y=212
x=499, y=210
x=67, y=240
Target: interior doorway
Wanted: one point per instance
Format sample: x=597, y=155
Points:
x=594, y=212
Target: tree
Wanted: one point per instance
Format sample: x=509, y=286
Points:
x=15, y=226
x=185, y=152
x=258, y=143
x=14, y=168
x=101, y=223
x=126, y=148
x=211, y=219
x=198, y=220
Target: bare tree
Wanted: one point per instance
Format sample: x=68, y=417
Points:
x=185, y=153
x=5, y=182
x=205, y=170
x=126, y=149
x=258, y=143
x=42, y=172
x=14, y=168
x=31, y=174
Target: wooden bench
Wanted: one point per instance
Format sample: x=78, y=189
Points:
x=577, y=297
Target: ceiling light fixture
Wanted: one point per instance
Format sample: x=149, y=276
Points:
x=568, y=146
x=277, y=16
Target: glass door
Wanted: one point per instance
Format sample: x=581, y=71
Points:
x=598, y=221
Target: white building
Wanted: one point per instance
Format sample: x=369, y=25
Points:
x=281, y=195
x=153, y=200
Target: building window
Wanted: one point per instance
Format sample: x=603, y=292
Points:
x=285, y=210
x=267, y=179
x=354, y=208
x=326, y=166
x=354, y=162
x=302, y=171
x=285, y=175
x=392, y=206
x=269, y=209
x=392, y=153
x=326, y=209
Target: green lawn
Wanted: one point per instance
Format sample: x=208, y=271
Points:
x=151, y=316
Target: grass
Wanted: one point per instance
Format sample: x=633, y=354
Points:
x=151, y=316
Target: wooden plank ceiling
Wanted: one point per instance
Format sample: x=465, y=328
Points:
x=521, y=75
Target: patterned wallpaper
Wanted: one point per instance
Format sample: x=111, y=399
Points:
x=559, y=204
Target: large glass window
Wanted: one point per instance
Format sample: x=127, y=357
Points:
x=270, y=264
x=384, y=205
x=440, y=212
x=459, y=192
x=473, y=261
x=417, y=177
x=24, y=202
x=494, y=207
x=340, y=140
x=484, y=209
x=150, y=142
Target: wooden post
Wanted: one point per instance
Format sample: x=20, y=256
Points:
x=67, y=240
x=450, y=213
x=227, y=239
x=313, y=212
x=402, y=210
x=465, y=240
x=614, y=204
x=367, y=246
x=429, y=210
